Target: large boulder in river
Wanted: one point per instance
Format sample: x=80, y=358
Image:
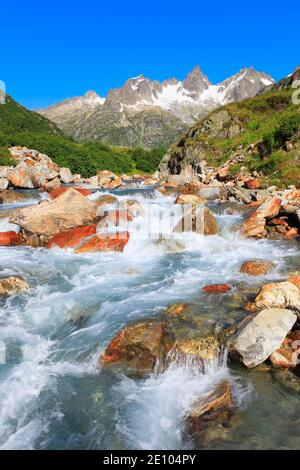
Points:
x=262, y=335
x=212, y=193
x=278, y=295
x=67, y=211
x=113, y=219
x=13, y=285
x=136, y=348
x=254, y=226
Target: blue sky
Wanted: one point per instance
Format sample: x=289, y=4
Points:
x=54, y=50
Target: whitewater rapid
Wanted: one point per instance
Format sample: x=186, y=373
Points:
x=54, y=394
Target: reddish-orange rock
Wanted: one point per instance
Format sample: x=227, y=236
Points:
x=256, y=267
x=54, y=193
x=107, y=242
x=72, y=238
x=287, y=355
x=10, y=239
x=255, y=225
x=252, y=184
x=217, y=289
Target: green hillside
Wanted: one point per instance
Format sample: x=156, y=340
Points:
x=16, y=118
x=262, y=132
x=19, y=126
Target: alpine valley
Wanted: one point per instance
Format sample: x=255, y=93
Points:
x=149, y=113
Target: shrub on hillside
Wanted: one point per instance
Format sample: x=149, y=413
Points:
x=87, y=158
x=5, y=158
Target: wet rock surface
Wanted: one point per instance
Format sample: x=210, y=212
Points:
x=136, y=348
x=262, y=335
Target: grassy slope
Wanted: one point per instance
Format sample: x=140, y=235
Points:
x=260, y=118
x=16, y=118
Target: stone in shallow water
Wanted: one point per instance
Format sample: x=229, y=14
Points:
x=13, y=285
x=175, y=310
x=217, y=288
x=58, y=191
x=262, y=335
x=219, y=397
x=190, y=199
x=170, y=244
x=287, y=378
x=210, y=416
x=257, y=267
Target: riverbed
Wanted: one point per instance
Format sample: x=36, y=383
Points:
x=55, y=395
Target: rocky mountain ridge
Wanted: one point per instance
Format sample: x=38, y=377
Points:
x=150, y=113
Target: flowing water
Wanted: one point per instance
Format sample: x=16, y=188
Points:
x=54, y=395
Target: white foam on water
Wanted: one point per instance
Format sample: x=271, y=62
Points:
x=154, y=412
x=6, y=226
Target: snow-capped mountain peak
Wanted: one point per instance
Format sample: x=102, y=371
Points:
x=187, y=100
